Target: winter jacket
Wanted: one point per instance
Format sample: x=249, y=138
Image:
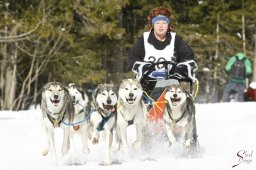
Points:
x=182, y=52
x=248, y=67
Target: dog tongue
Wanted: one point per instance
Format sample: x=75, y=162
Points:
x=174, y=101
x=109, y=107
x=55, y=101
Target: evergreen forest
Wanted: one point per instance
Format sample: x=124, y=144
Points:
x=87, y=41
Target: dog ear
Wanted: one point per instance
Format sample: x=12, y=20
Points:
x=71, y=84
x=65, y=90
x=124, y=80
x=113, y=86
x=70, y=106
x=81, y=91
x=43, y=96
x=169, y=87
x=94, y=94
x=138, y=82
x=44, y=89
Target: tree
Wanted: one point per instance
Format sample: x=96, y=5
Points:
x=71, y=41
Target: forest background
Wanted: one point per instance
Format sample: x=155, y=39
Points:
x=86, y=42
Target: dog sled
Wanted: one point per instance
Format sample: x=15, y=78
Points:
x=155, y=99
x=250, y=92
x=162, y=79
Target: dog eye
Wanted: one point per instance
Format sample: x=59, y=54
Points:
x=103, y=94
x=135, y=88
x=60, y=89
x=126, y=88
x=50, y=89
x=112, y=94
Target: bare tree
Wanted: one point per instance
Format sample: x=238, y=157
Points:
x=40, y=52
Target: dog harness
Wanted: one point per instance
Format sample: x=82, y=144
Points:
x=55, y=122
x=154, y=55
x=84, y=109
x=188, y=109
x=130, y=122
x=104, y=121
x=174, y=120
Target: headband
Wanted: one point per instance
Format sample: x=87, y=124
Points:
x=160, y=18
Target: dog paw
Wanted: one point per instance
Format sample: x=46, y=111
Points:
x=136, y=145
x=187, y=144
x=64, y=151
x=117, y=147
x=105, y=163
x=45, y=151
x=95, y=141
x=86, y=150
x=169, y=144
x=76, y=128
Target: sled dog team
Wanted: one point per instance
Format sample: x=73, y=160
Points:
x=111, y=111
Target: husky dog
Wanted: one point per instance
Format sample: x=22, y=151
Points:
x=179, y=117
x=131, y=110
x=81, y=117
x=103, y=116
x=56, y=106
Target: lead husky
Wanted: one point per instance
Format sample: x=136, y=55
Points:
x=104, y=99
x=179, y=117
x=81, y=117
x=131, y=110
x=56, y=106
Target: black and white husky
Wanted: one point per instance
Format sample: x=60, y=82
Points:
x=56, y=106
x=103, y=116
x=131, y=110
x=179, y=117
x=81, y=117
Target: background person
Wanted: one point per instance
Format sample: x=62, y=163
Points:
x=239, y=68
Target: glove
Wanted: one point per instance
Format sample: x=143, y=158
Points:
x=181, y=72
x=141, y=68
x=185, y=71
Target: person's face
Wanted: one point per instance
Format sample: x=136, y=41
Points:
x=160, y=28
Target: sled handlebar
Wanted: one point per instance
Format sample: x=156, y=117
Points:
x=165, y=63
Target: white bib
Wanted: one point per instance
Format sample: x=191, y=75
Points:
x=154, y=55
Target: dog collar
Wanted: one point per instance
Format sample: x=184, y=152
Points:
x=175, y=120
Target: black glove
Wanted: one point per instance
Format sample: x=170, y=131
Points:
x=181, y=72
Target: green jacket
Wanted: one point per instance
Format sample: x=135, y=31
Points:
x=248, y=67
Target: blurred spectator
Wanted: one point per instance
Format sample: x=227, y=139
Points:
x=239, y=69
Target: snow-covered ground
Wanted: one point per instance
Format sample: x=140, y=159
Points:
x=227, y=136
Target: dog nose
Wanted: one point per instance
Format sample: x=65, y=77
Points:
x=174, y=95
x=74, y=98
x=108, y=101
x=131, y=94
x=56, y=96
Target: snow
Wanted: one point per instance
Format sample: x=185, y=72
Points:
x=227, y=135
